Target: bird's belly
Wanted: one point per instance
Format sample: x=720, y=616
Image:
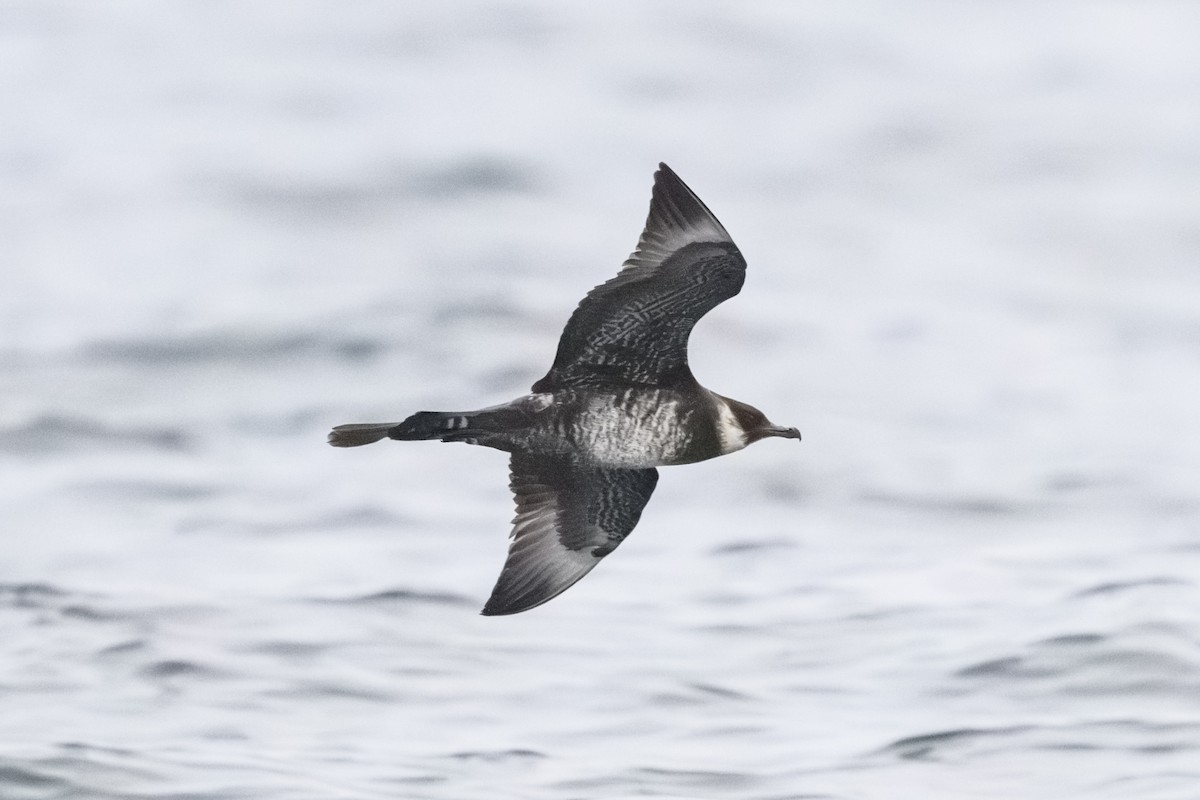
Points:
x=634, y=430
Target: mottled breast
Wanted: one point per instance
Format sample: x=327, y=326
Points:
x=639, y=428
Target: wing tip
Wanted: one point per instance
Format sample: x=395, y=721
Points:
x=674, y=206
x=489, y=610
x=499, y=605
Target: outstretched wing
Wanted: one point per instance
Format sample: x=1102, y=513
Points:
x=568, y=518
x=633, y=330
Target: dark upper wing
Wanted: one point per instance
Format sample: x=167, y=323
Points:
x=633, y=330
x=568, y=518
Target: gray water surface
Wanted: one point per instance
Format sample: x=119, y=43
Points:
x=974, y=285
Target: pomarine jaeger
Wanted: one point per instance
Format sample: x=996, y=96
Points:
x=618, y=402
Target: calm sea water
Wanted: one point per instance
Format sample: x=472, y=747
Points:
x=974, y=285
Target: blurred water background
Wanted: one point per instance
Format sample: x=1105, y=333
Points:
x=973, y=232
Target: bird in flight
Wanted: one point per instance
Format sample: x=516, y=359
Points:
x=618, y=402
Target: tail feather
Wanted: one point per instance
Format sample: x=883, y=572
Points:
x=447, y=426
x=472, y=427
x=359, y=433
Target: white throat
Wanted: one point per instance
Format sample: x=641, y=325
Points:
x=731, y=434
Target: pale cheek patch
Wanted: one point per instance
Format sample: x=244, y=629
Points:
x=728, y=430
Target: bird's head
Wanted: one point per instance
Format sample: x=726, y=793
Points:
x=740, y=424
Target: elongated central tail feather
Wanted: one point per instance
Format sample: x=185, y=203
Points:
x=359, y=433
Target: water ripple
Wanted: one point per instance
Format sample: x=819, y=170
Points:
x=232, y=347
x=402, y=597
x=53, y=433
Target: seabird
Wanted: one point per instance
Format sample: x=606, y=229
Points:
x=618, y=402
